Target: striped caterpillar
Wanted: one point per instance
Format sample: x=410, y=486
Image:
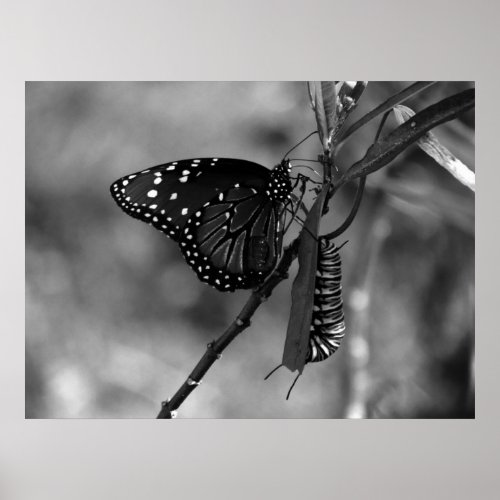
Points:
x=327, y=325
x=327, y=322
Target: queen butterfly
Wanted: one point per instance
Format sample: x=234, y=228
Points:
x=327, y=324
x=227, y=215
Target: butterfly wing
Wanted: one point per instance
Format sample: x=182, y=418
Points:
x=167, y=195
x=234, y=240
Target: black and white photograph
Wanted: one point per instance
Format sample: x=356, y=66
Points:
x=250, y=249
x=228, y=274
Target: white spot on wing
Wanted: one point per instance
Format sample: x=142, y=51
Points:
x=184, y=211
x=152, y=193
x=173, y=196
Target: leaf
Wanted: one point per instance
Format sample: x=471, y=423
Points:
x=430, y=144
x=329, y=104
x=398, y=98
x=299, y=324
x=387, y=148
x=323, y=102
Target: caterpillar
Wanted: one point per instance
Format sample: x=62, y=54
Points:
x=327, y=324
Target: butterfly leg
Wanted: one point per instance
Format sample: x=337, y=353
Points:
x=298, y=204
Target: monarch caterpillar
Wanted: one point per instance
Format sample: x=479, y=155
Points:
x=327, y=324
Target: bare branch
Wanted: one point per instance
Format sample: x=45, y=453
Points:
x=386, y=149
x=242, y=321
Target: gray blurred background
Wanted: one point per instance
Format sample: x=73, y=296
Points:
x=115, y=320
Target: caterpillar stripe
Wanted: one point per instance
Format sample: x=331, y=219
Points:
x=327, y=325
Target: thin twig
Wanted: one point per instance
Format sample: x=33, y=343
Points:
x=242, y=321
x=352, y=214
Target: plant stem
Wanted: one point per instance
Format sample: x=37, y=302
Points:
x=242, y=321
x=398, y=98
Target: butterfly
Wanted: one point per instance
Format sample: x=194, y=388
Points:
x=227, y=215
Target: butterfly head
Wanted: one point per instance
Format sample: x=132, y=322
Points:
x=280, y=184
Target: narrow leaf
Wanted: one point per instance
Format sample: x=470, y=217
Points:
x=299, y=324
x=430, y=144
x=323, y=96
x=329, y=103
x=388, y=147
x=398, y=98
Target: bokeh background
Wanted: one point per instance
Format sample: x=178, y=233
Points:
x=115, y=320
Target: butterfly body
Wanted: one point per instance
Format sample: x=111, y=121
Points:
x=226, y=214
x=259, y=251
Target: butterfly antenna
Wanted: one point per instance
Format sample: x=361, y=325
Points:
x=304, y=159
x=292, y=386
x=272, y=371
x=308, y=168
x=297, y=145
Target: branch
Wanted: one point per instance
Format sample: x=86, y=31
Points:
x=387, y=105
x=352, y=214
x=242, y=321
x=386, y=149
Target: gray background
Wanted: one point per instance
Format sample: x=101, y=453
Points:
x=249, y=459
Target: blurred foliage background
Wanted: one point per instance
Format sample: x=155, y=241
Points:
x=115, y=320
